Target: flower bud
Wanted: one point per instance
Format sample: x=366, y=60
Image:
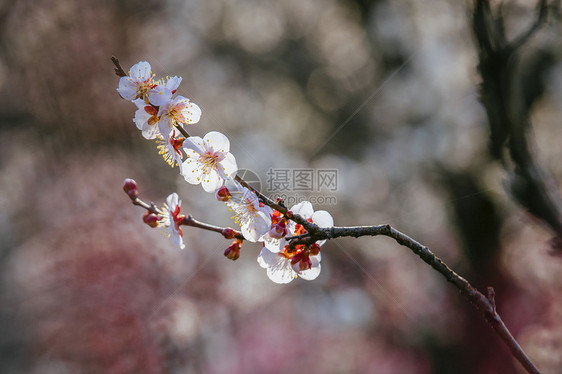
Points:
x=150, y=219
x=301, y=262
x=233, y=250
x=223, y=194
x=229, y=233
x=278, y=230
x=130, y=187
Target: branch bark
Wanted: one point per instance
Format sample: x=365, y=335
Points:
x=485, y=304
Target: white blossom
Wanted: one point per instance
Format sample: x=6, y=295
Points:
x=139, y=84
x=284, y=263
x=171, y=219
x=177, y=112
x=146, y=119
x=253, y=217
x=208, y=161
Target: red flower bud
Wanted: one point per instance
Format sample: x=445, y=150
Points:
x=233, y=250
x=301, y=261
x=130, y=187
x=150, y=219
x=229, y=233
x=223, y=194
x=278, y=230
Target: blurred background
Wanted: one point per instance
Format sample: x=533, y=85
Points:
x=385, y=92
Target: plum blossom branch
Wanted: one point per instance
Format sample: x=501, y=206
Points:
x=292, y=238
x=264, y=199
x=131, y=189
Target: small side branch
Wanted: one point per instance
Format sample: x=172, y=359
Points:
x=118, y=69
x=131, y=189
x=190, y=221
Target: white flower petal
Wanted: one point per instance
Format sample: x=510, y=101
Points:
x=194, y=143
x=165, y=127
x=266, y=258
x=313, y=272
x=303, y=209
x=191, y=113
x=279, y=269
x=191, y=153
x=177, y=239
x=282, y=274
x=140, y=71
x=249, y=232
x=192, y=170
x=229, y=165
x=150, y=131
x=211, y=181
x=159, y=95
x=218, y=141
x=173, y=83
x=274, y=245
x=141, y=117
x=127, y=88
x=322, y=218
x=262, y=224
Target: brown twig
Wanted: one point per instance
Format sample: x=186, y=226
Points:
x=118, y=69
x=484, y=304
x=227, y=232
x=151, y=208
x=190, y=221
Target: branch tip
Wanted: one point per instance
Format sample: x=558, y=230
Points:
x=118, y=69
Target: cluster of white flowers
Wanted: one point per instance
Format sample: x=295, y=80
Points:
x=208, y=162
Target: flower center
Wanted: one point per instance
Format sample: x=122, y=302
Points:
x=209, y=161
x=244, y=211
x=175, y=113
x=143, y=88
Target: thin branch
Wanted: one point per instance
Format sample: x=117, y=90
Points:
x=149, y=207
x=182, y=131
x=542, y=11
x=227, y=232
x=190, y=221
x=484, y=304
x=118, y=69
